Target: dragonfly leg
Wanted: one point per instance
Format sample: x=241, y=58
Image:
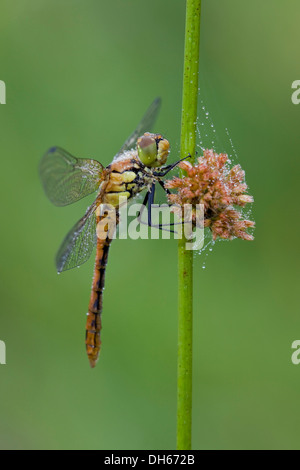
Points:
x=170, y=167
x=145, y=203
x=142, y=208
x=149, y=199
x=162, y=184
x=150, y=202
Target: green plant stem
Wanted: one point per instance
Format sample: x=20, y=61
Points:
x=185, y=258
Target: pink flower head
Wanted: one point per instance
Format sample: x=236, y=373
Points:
x=219, y=188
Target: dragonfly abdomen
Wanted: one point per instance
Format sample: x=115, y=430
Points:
x=93, y=324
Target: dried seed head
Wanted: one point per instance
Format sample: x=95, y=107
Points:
x=219, y=188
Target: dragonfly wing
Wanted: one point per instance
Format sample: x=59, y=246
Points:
x=145, y=125
x=79, y=243
x=66, y=179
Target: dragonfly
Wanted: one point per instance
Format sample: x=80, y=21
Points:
x=138, y=166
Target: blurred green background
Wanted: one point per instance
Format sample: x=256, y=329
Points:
x=80, y=74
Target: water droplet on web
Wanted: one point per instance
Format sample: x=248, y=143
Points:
x=210, y=137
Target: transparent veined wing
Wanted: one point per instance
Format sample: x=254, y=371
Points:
x=79, y=243
x=145, y=125
x=66, y=179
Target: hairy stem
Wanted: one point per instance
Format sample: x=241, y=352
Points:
x=185, y=258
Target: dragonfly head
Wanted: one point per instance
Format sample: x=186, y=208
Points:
x=153, y=149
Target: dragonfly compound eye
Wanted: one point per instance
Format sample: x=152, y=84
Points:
x=163, y=149
x=147, y=149
x=153, y=149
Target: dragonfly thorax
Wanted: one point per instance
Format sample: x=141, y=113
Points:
x=153, y=149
